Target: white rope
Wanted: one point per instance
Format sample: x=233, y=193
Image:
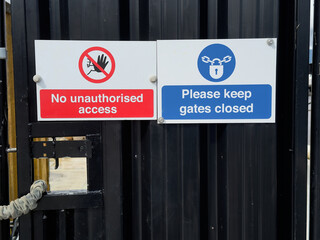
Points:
x=24, y=204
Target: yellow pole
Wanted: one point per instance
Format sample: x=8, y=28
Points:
x=41, y=166
x=12, y=157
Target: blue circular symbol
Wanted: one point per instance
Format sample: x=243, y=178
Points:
x=216, y=62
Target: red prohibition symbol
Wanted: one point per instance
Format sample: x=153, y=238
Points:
x=96, y=65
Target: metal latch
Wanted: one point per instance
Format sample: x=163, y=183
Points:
x=60, y=149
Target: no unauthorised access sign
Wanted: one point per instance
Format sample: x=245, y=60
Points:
x=95, y=70
x=94, y=103
x=89, y=80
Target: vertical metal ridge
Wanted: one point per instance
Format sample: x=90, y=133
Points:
x=159, y=228
x=203, y=19
x=182, y=174
x=95, y=164
x=248, y=190
x=155, y=19
x=191, y=181
x=124, y=19
x=174, y=191
x=235, y=180
x=258, y=19
x=109, y=20
x=126, y=171
x=223, y=183
x=205, y=182
x=212, y=181
x=34, y=30
x=269, y=180
x=75, y=19
x=144, y=19
x=112, y=179
x=55, y=19
x=42, y=18
x=188, y=14
x=244, y=197
x=284, y=118
x=70, y=224
x=64, y=23
x=96, y=226
x=136, y=181
x=147, y=169
x=212, y=20
x=315, y=133
x=223, y=20
x=139, y=20
x=80, y=224
x=62, y=222
x=169, y=20
x=96, y=14
x=148, y=144
x=39, y=233
x=134, y=20
x=252, y=202
x=165, y=159
x=260, y=212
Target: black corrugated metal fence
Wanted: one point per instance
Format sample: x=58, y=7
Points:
x=175, y=182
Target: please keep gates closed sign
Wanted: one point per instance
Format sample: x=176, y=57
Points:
x=82, y=80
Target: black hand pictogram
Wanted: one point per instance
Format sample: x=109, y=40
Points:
x=102, y=62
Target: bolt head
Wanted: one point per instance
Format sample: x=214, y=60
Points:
x=160, y=120
x=36, y=78
x=153, y=79
x=270, y=42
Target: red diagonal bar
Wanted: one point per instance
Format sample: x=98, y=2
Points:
x=97, y=65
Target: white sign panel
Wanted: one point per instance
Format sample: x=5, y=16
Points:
x=216, y=81
x=95, y=80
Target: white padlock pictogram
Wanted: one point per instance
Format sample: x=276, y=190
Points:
x=216, y=67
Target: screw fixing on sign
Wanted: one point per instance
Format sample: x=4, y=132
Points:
x=221, y=66
x=153, y=79
x=270, y=42
x=96, y=65
x=36, y=78
x=160, y=120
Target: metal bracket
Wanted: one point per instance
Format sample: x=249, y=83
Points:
x=3, y=53
x=59, y=149
x=11, y=150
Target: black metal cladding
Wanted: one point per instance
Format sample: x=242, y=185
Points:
x=175, y=182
